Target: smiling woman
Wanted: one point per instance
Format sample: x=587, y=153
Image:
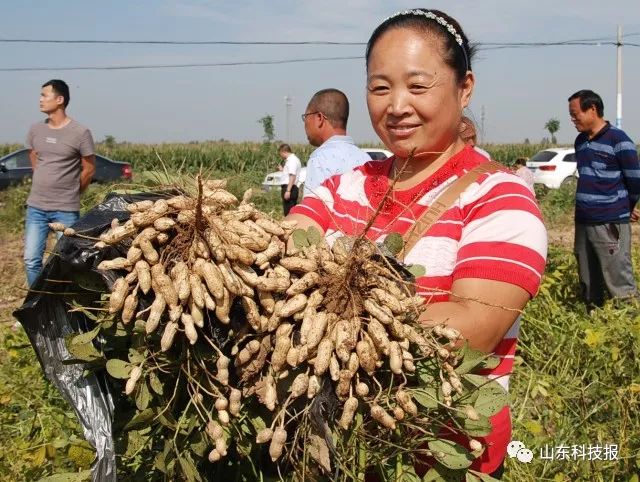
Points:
x=485, y=254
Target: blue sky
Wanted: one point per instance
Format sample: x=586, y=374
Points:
x=519, y=89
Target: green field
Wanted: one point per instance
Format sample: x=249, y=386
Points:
x=576, y=380
x=245, y=157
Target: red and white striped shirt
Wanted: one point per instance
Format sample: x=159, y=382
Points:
x=494, y=231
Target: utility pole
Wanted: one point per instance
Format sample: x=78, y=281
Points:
x=619, y=89
x=288, y=103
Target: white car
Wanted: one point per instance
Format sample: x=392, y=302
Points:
x=274, y=180
x=554, y=167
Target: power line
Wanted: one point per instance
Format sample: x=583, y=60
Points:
x=482, y=46
x=525, y=45
x=180, y=42
x=176, y=66
x=261, y=42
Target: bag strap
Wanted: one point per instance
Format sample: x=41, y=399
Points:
x=443, y=202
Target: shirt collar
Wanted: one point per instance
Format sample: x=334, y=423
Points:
x=336, y=138
x=601, y=132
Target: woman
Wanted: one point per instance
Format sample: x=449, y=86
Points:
x=490, y=245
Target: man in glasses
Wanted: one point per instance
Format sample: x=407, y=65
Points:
x=325, y=123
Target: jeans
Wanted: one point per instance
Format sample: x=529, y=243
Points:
x=36, y=230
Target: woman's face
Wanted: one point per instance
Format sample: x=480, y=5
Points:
x=414, y=99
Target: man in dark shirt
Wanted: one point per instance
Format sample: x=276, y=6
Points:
x=607, y=192
x=63, y=162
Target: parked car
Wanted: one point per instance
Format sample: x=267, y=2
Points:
x=554, y=167
x=274, y=180
x=377, y=154
x=16, y=167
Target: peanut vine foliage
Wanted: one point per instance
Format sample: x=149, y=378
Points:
x=239, y=359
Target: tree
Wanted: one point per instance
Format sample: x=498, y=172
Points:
x=553, y=126
x=109, y=142
x=267, y=126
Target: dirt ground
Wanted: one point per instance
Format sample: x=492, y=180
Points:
x=13, y=282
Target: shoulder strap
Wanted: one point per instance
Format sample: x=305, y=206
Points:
x=443, y=202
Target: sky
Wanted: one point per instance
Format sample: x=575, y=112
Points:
x=518, y=90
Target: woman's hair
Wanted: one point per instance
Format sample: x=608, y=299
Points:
x=521, y=161
x=456, y=51
x=468, y=130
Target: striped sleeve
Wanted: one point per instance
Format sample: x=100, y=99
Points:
x=503, y=238
x=627, y=156
x=318, y=205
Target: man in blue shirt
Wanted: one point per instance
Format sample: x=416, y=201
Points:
x=606, y=195
x=325, y=122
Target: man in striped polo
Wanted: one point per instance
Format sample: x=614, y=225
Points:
x=607, y=193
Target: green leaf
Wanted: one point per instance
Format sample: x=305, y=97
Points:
x=427, y=370
x=163, y=459
x=167, y=420
x=491, y=362
x=160, y=462
x=142, y=396
x=39, y=456
x=313, y=235
x=477, y=428
x=68, y=477
x=140, y=327
x=439, y=473
x=300, y=239
x=135, y=442
x=119, y=368
x=155, y=383
x=470, y=359
x=199, y=445
x=135, y=357
x=427, y=397
x=491, y=399
x=407, y=473
x=60, y=443
x=87, y=337
x=188, y=468
x=450, y=454
x=483, y=477
x=140, y=420
x=84, y=352
x=394, y=243
x=417, y=270
x=474, y=380
x=257, y=421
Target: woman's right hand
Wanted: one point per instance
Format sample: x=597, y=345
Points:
x=302, y=222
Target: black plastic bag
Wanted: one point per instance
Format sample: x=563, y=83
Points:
x=69, y=270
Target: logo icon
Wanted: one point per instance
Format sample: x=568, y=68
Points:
x=518, y=450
